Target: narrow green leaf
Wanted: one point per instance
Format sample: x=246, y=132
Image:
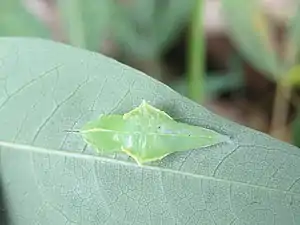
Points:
x=86, y=22
x=72, y=13
x=250, y=29
x=145, y=28
x=293, y=37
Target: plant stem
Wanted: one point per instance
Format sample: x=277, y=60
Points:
x=283, y=94
x=196, y=55
x=280, y=111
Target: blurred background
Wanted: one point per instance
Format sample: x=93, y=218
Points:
x=238, y=58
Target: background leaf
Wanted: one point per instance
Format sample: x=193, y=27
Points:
x=144, y=28
x=48, y=176
x=86, y=22
x=251, y=31
x=24, y=24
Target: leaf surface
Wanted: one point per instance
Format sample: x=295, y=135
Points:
x=49, y=176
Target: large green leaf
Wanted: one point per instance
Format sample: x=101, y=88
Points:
x=48, y=176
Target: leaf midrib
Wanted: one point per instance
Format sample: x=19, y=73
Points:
x=41, y=150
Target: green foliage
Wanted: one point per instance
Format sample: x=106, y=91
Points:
x=250, y=30
x=49, y=176
x=86, y=23
x=216, y=82
x=144, y=28
x=293, y=36
x=293, y=76
x=141, y=28
x=253, y=34
x=15, y=20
